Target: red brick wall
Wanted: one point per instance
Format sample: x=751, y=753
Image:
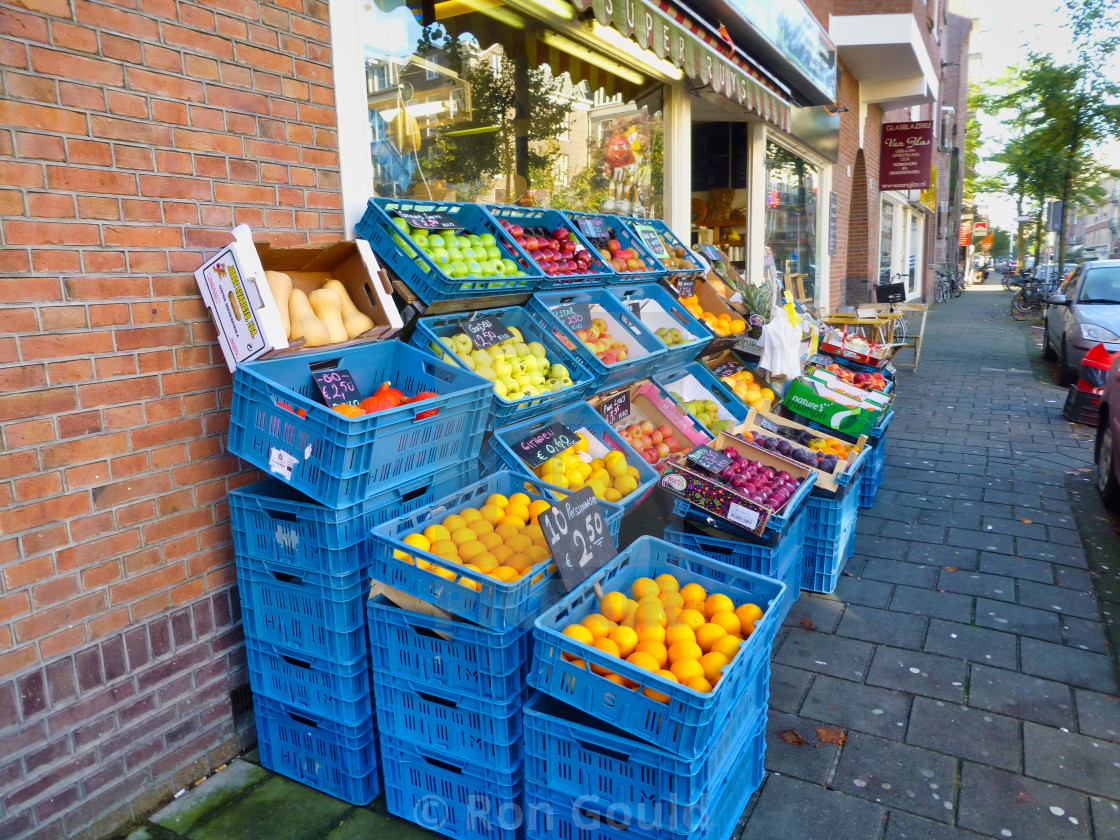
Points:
x=133, y=136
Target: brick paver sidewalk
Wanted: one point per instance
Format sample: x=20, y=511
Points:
x=965, y=656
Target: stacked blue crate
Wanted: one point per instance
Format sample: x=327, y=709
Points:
x=829, y=533
x=873, y=474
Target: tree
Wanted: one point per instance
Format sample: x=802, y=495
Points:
x=1096, y=28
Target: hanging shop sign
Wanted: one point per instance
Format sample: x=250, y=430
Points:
x=685, y=44
x=906, y=156
x=966, y=233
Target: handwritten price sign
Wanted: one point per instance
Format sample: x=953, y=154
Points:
x=546, y=443
x=577, y=535
x=485, y=332
x=336, y=387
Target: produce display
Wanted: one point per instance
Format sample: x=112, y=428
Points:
x=457, y=255
x=671, y=336
x=868, y=381
x=599, y=341
x=818, y=453
x=677, y=259
x=758, y=482
x=743, y=383
x=654, y=443
x=706, y=413
x=682, y=634
x=555, y=252
x=721, y=324
x=501, y=539
x=517, y=369
x=610, y=477
x=384, y=398
x=325, y=316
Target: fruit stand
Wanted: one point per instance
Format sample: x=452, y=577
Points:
x=461, y=577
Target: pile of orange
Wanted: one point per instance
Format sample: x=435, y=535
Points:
x=502, y=540
x=722, y=324
x=680, y=633
x=743, y=383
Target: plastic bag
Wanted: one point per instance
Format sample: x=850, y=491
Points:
x=781, y=346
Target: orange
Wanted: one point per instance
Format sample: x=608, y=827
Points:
x=699, y=684
x=693, y=592
x=497, y=499
x=728, y=621
x=706, y=636
x=516, y=521
x=654, y=649
x=686, y=669
x=470, y=515
x=616, y=679
x=625, y=638
x=608, y=647
x=503, y=573
x=481, y=526
x=418, y=541
x=650, y=614
x=692, y=619
x=484, y=560
x=534, y=533
x=508, y=531
x=684, y=650
x=520, y=499
x=453, y=523
x=667, y=583
x=502, y=552
x=599, y=626
x=695, y=605
x=657, y=695
x=713, y=664
x=672, y=600
x=717, y=603
x=491, y=513
x=491, y=540
x=644, y=586
x=536, y=553
x=463, y=535
x=537, y=507
x=679, y=633
x=579, y=633
x=644, y=661
x=767, y=394
x=435, y=533
x=445, y=548
x=613, y=606
x=748, y=614
x=470, y=584
x=726, y=645
x=518, y=542
x=520, y=511
x=650, y=633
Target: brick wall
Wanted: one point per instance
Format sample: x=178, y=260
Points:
x=133, y=136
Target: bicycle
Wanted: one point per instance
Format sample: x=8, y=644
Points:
x=956, y=282
x=898, y=330
x=941, y=288
x=1030, y=299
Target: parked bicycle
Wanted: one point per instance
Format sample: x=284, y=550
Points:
x=899, y=327
x=941, y=288
x=1030, y=298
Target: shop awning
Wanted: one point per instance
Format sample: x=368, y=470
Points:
x=676, y=38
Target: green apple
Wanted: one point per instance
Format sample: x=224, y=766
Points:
x=500, y=388
x=486, y=372
x=522, y=349
x=510, y=265
x=502, y=367
x=462, y=343
x=481, y=357
x=517, y=394
x=532, y=391
x=449, y=343
x=516, y=333
x=536, y=377
x=531, y=363
x=554, y=384
x=566, y=382
x=522, y=379
x=558, y=372
x=536, y=348
x=467, y=360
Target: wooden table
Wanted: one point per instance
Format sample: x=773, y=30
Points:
x=877, y=328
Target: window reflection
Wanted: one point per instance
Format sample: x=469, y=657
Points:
x=791, y=217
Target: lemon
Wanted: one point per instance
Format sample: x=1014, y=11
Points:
x=625, y=484
x=612, y=495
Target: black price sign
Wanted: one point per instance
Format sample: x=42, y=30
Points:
x=576, y=532
x=652, y=240
x=593, y=227
x=727, y=369
x=336, y=387
x=485, y=332
x=430, y=220
x=575, y=316
x=686, y=286
x=615, y=408
x=710, y=459
x=546, y=443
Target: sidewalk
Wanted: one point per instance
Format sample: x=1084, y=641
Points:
x=963, y=662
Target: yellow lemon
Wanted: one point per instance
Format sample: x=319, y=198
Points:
x=446, y=574
x=625, y=638
x=612, y=495
x=617, y=469
x=613, y=457
x=707, y=635
x=485, y=560
x=519, y=562
x=713, y=664
x=418, y=541
x=625, y=484
x=468, y=583
x=537, y=553
x=513, y=521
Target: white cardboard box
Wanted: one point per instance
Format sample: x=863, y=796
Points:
x=235, y=291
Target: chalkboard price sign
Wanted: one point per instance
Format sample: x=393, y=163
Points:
x=430, y=220
x=576, y=532
x=546, y=443
x=686, y=286
x=485, y=332
x=615, y=408
x=727, y=369
x=767, y=424
x=336, y=387
x=710, y=459
x=652, y=240
x=593, y=227
x=575, y=316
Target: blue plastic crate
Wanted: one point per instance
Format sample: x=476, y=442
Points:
x=339, y=461
x=687, y=723
x=312, y=684
x=687, y=377
x=494, y=604
x=307, y=612
x=459, y=723
x=873, y=474
x=427, y=336
x=445, y=653
x=874, y=435
x=271, y=521
x=824, y=559
x=576, y=756
x=420, y=273
x=337, y=759
x=618, y=229
x=578, y=416
x=657, y=308
x=550, y=815
x=695, y=266
x=621, y=323
x=445, y=794
x=827, y=513
x=601, y=272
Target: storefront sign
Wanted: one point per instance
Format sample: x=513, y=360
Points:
x=906, y=156
x=929, y=197
x=966, y=234
x=833, y=221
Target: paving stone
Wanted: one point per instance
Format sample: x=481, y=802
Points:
x=865, y=708
x=811, y=761
x=1044, y=517
x=1014, y=527
x=823, y=610
x=1089, y=764
x=277, y=808
x=826, y=654
x=983, y=509
x=943, y=555
x=371, y=822
x=974, y=644
x=869, y=524
x=976, y=583
x=1016, y=567
x=898, y=776
x=788, y=687
x=1098, y=714
x=924, y=674
x=853, y=567
x=954, y=491
x=1051, y=552
x=880, y=546
x=999, y=804
x=971, y=734
x=1087, y=635
x=811, y=811
x=947, y=605
x=873, y=625
x=902, y=826
x=199, y=803
x=1106, y=817
x=1059, y=599
x=856, y=590
x=1068, y=665
x=1016, y=619
x=1072, y=578
x=982, y=540
x=929, y=533
x=1064, y=536
x=1020, y=695
x=897, y=571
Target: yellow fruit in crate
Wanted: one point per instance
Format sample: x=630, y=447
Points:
x=713, y=664
x=656, y=650
x=598, y=464
x=693, y=592
x=516, y=521
x=537, y=507
x=519, y=542
x=468, y=551
x=502, y=552
x=612, y=495
x=617, y=468
x=491, y=513
x=484, y=560
x=435, y=533
x=728, y=646
x=717, y=602
x=616, y=679
x=446, y=574
x=445, y=548
x=707, y=635
x=453, y=523
x=463, y=535
x=581, y=443
x=608, y=647
x=667, y=583
x=481, y=526
x=418, y=541
x=697, y=606
x=579, y=633
x=625, y=484
x=691, y=618
x=677, y=632
x=537, y=553
x=519, y=499
x=625, y=638
x=644, y=586
x=748, y=614
x=507, y=531
x=699, y=684
x=491, y=540
x=685, y=669
x=497, y=499
x=470, y=515
x=599, y=625
x=404, y=558
x=519, y=562
x=613, y=606
x=644, y=661
x=650, y=633
x=729, y=622
x=503, y=573
x=469, y=584
x=633, y=473
x=684, y=649
x=671, y=600
x=650, y=614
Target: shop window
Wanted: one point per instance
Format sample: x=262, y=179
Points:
x=886, y=241
x=791, y=217
x=481, y=105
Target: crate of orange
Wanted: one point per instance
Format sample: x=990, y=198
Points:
x=673, y=644
x=478, y=553
x=746, y=383
x=721, y=320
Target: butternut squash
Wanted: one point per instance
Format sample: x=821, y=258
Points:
x=281, y=286
x=305, y=324
x=355, y=322
x=328, y=307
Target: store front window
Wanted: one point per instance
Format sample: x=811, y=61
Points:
x=488, y=104
x=886, y=241
x=791, y=218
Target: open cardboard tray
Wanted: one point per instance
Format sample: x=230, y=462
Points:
x=733, y=355
x=827, y=482
x=685, y=480
x=866, y=395
x=710, y=301
x=649, y=402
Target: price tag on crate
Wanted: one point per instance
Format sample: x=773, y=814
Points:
x=686, y=286
x=744, y=516
x=577, y=535
x=652, y=241
x=335, y=387
x=727, y=369
x=593, y=227
x=575, y=316
x=430, y=220
x=485, y=332
x=710, y=459
x=546, y=443
x=615, y=408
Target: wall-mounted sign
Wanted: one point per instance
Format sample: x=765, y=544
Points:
x=906, y=156
x=833, y=221
x=966, y=233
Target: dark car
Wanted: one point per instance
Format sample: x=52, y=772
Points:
x=1083, y=311
x=1108, y=440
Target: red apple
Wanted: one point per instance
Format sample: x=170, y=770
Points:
x=673, y=444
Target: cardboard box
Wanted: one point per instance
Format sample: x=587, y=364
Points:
x=648, y=402
x=857, y=348
x=877, y=398
x=236, y=293
x=816, y=401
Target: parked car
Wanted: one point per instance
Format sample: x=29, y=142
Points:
x=1083, y=311
x=1107, y=451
